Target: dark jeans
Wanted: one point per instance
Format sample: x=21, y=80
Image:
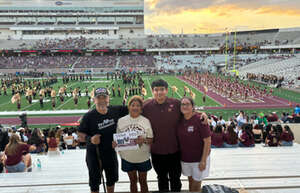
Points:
x=167, y=168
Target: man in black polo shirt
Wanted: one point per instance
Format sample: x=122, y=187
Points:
x=97, y=128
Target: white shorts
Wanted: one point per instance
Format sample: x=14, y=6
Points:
x=192, y=169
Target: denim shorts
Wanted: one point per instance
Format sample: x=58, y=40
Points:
x=141, y=167
x=286, y=143
x=20, y=167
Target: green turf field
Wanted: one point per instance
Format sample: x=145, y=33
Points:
x=6, y=105
x=68, y=104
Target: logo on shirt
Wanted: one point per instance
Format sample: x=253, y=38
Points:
x=190, y=129
x=106, y=123
x=135, y=127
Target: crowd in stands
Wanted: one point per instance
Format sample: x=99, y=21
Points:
x=68, y=61
x=247, y=130
x=137, y=61
x=241, y=130
x=35, y=140
x=96, y=62
x=69, y=43
x=34, y=62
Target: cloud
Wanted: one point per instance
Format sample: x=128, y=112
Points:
x=157, y=30
x=214, y=16
x=175, y=6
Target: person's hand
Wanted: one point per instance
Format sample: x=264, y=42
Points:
x=96, y=139
x=202, y=166
x=140, y=140
x=114, y=144
x=204, y=118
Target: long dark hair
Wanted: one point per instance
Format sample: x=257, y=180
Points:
x=248, y=129
x=288, y=129
x=52, y=133
x=35, y=138
x=218, y=129
x=232, y=133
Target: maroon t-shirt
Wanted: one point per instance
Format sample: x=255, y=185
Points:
x=190, y=135
x=164, y=119
x=247, y=141
x=217, y=139
x=229, y=140
x=16, y=158
x=285, y=136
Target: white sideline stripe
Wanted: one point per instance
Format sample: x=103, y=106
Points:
x=150, y=86
x=172, y=91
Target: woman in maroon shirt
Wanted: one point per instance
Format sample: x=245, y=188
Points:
x=16, y=152
x=194, y=141
x=273, y=137
x=217, y=138
x=230, y=137
x=247, y=138
x=286, y=137
x=52, y=143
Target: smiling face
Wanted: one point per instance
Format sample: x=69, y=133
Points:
x=160, y=93
x=101, y=103
x=135, y=109
x=186, y=106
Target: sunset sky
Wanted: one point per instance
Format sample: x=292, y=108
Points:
x=213, y=16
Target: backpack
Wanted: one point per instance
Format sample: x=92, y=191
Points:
x=215, y=188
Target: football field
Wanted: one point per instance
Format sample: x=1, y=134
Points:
x=68, y=104
x=67, y=108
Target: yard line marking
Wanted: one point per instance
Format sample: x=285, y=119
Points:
x=172, y=91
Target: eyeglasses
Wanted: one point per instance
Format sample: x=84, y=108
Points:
x=185, y=104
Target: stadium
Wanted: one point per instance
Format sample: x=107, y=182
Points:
x=55, y=54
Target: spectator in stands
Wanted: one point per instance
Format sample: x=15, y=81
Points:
x=241, y=119
x=297, y=109
x=136, y=162
x=17, y=157
x=284, y=117
x=37, y=139
x=258, y=133
x=272, y=117
x=221, y=121
x=262, y=119
x=60, y=137
x=286, y=137
x=217, y=138
x=230, y=137
x=21, y=132
x=52, y=143
x=4, y=138
x=97, y=128
x=247, y=138
x=194, y=140
x=164, y=115
x=273, y=137
x=297, y=118
x=2, y=155
x=69, y=140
